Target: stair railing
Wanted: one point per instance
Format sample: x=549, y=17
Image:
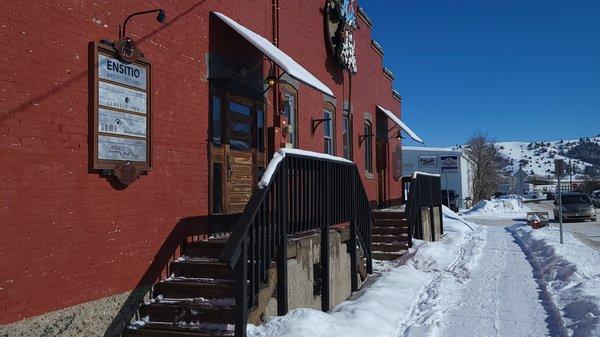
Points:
x=424, y=192
x=304, y=193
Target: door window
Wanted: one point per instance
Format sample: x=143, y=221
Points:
x=241, y=109
x=240, y=126
x=216, y=120
x=260, y=130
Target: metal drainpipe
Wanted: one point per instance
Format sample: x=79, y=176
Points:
x=350, y=119
x=277, y=137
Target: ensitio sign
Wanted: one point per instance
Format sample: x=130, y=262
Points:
x=122, y=112
x=112, y=69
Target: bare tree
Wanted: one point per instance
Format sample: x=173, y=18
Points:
x=489, y=165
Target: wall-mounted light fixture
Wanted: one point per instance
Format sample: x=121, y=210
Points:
x=160, y=17
x=398, y=136
x=125, y=46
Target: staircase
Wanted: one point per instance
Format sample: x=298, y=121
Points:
x=390, y=238
x=198, y=299
x=215, y=285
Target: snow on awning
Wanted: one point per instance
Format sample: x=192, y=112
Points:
x=401, y=124
x=276, y=55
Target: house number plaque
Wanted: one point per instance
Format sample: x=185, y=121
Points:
x=122, y=114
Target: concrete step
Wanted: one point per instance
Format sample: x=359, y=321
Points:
x=389, y=247
x=386, y=238
x=201, y=268
x=211, y=249
x=153, y=329
x=188, y=288
x=189, y=311
x=387, y=255
x=377, y=230
x=391, y=222
x=388, y=215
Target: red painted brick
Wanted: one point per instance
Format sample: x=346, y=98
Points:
x=69, y=237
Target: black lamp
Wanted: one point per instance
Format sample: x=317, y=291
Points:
x=160, y=17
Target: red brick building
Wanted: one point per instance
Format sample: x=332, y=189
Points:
x=72, y=234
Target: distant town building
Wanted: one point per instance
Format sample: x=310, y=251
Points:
x=454, y=167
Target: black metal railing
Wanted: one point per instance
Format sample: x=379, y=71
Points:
x=304, y=193
x=424, y=193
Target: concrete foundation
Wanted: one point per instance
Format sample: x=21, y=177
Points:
x=108, y=316
x=304, y=254
x=104, y=317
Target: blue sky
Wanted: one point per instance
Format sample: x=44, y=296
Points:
x=514, y=69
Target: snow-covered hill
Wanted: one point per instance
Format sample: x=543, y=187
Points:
x=538, y=157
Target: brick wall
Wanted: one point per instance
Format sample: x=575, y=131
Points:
x=68, y=236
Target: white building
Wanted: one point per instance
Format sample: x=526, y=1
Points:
x=454, y=167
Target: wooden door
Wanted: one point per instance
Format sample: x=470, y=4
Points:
x=239, y=156
x=381, y=160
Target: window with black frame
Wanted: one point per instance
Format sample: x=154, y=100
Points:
x=328, y=117
x=289, y=108
x=346, y=136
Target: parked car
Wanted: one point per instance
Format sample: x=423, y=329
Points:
x=576, y=206
x=550, y=196
x=596, y=198
x=453, y=199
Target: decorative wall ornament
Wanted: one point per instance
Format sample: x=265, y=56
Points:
x=340, y=23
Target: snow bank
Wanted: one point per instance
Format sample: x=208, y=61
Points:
x=512, y=196
x=571, y=273
x=385, y=306
x=506, y=207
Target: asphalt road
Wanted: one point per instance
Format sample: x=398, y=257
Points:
x=586, y=231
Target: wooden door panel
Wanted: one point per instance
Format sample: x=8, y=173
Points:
x=237, y=208
x=241, y=158
x=239, y=151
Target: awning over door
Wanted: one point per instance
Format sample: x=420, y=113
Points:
x=276, y=55
x=400, y=124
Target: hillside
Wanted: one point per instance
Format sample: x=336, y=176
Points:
x=538, y=157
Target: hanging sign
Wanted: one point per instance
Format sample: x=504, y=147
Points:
x=122, y=114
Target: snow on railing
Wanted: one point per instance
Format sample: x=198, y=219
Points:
x=281, y=153
x=414, y=175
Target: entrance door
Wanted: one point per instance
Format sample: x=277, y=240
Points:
x=237, y=156
x=381, y=160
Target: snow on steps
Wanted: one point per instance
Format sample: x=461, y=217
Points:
x=196, y=300
x=390, y=235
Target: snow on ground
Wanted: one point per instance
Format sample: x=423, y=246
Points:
x=388, y=305
x=571, y=273
x=499, y=298
x=504, y=279
x=503, y=207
